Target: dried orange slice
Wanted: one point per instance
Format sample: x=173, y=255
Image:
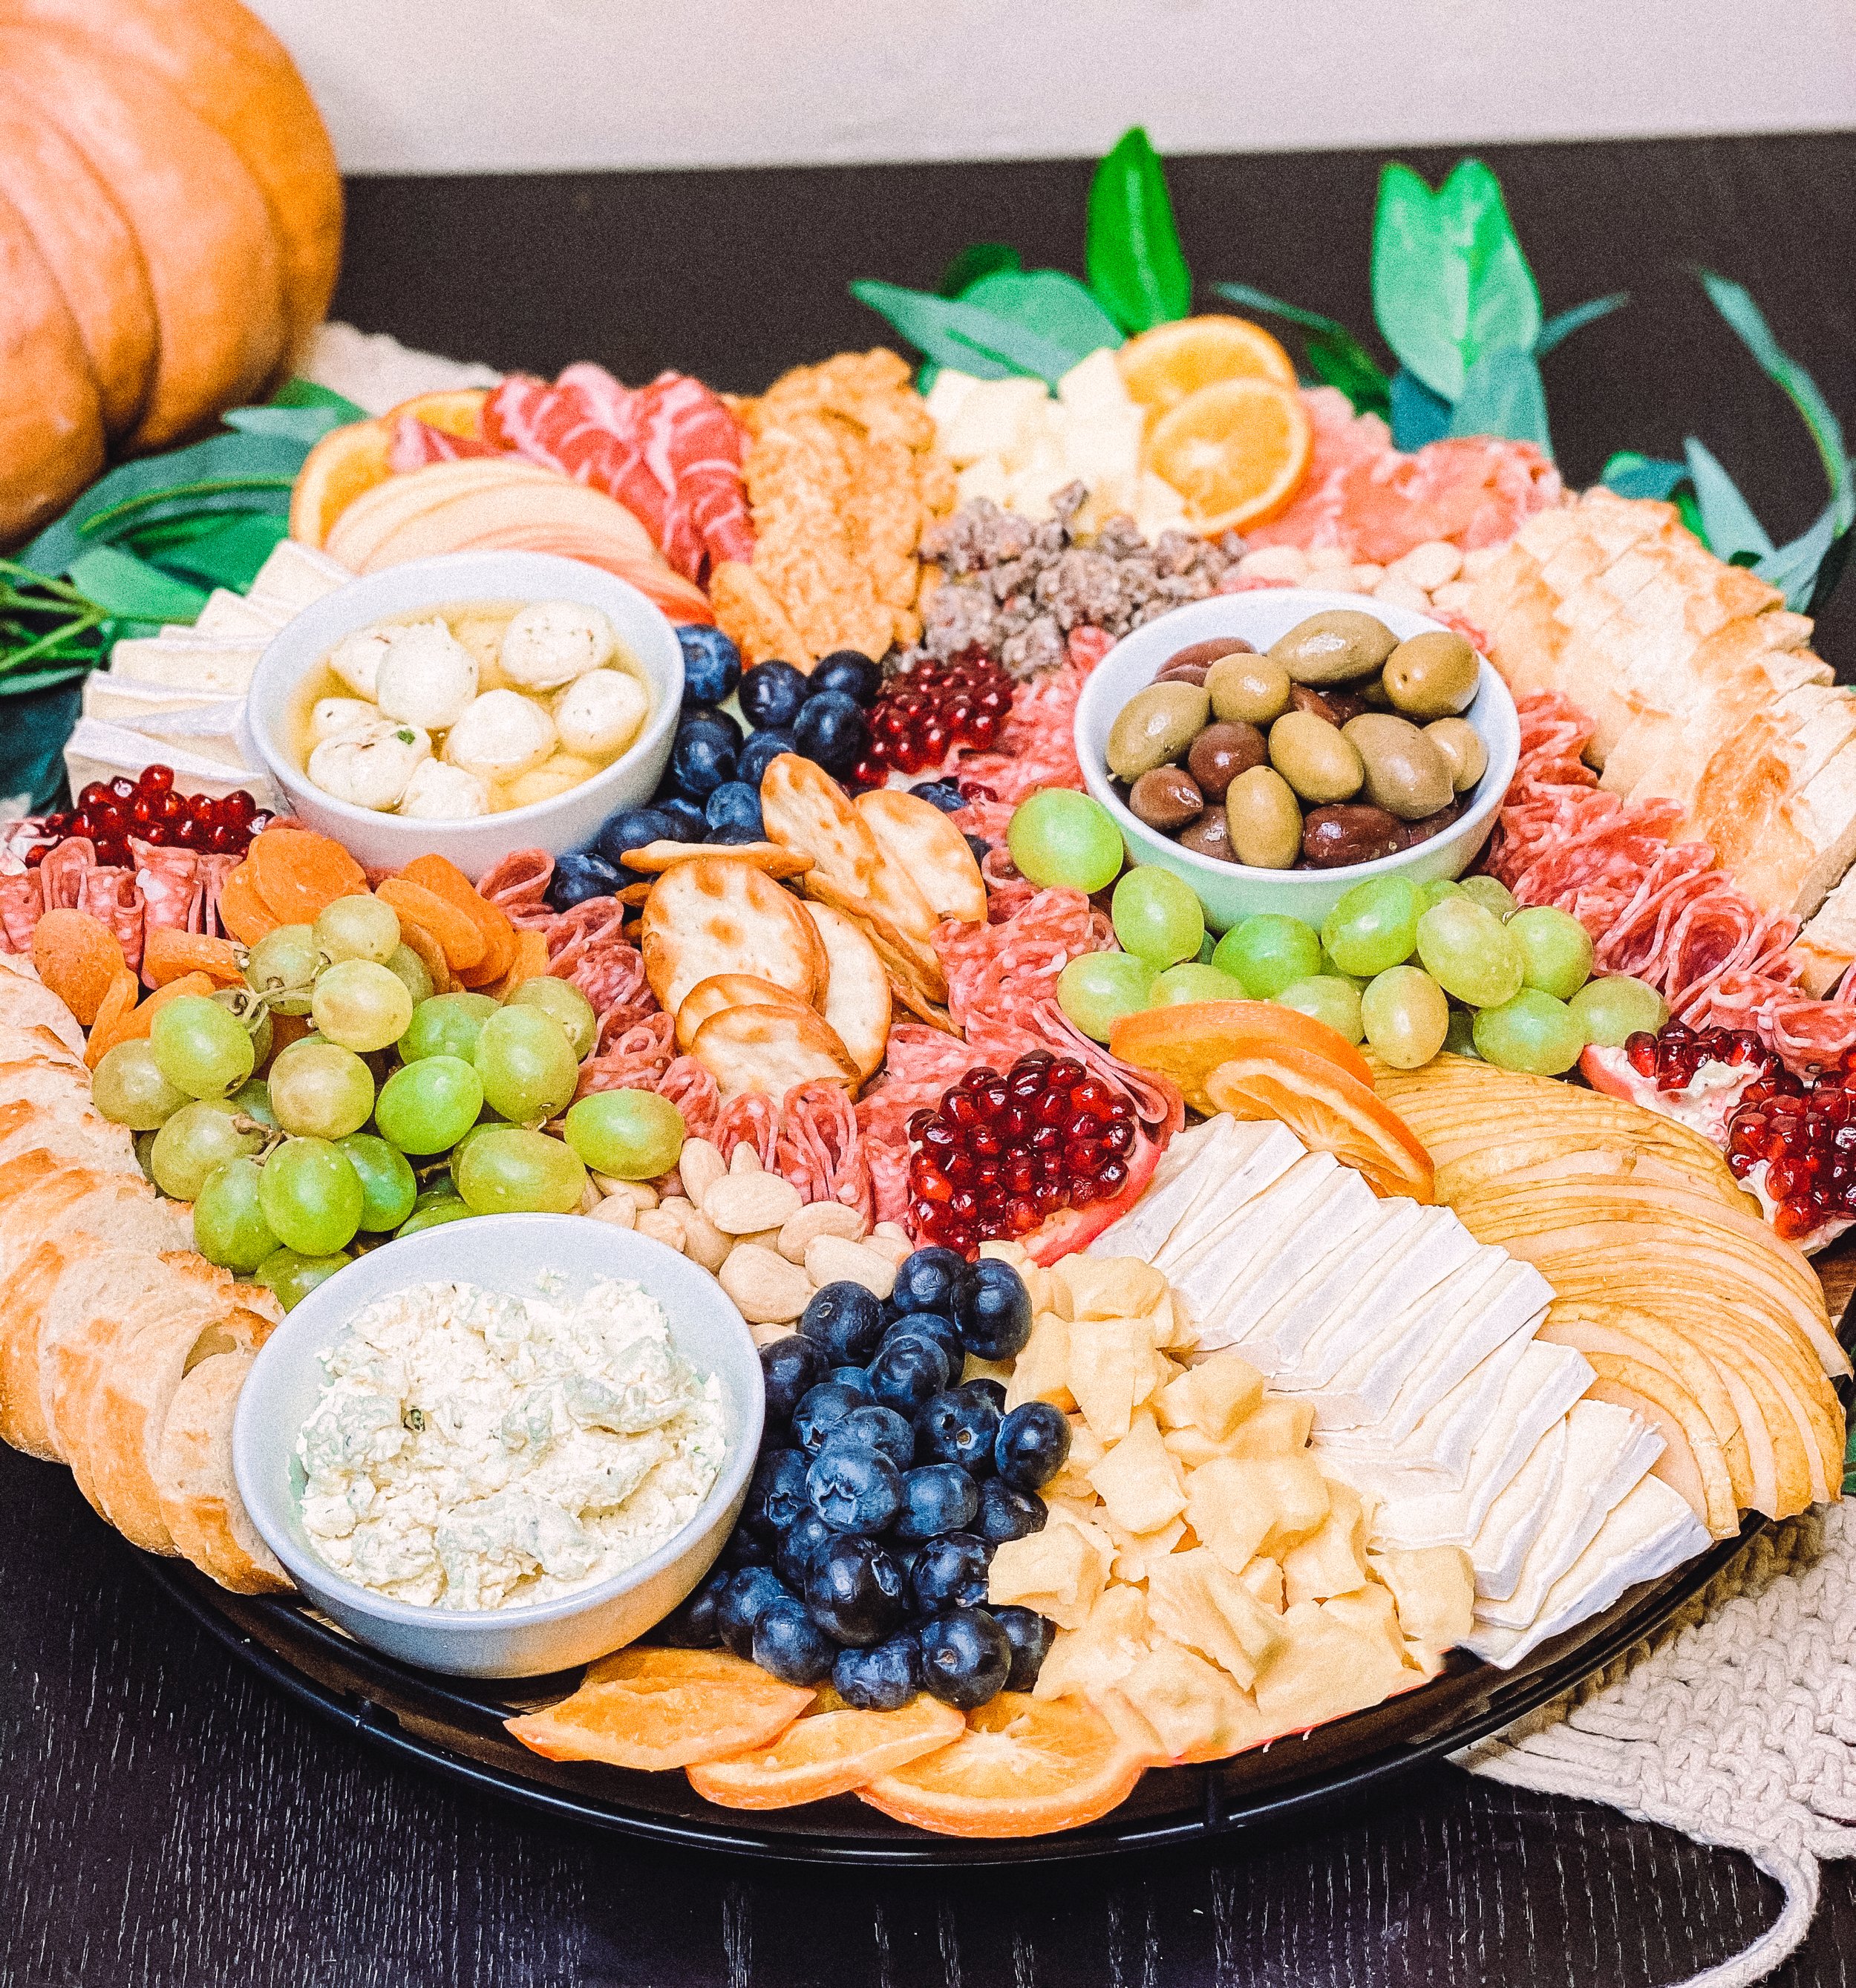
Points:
x=1187, y=1042
x=654, y=1709
x=1025, y=1767
x=344, y=464
x=458, y=411
x=1161, y=366
x=1236, y=451
x=829, y=1753
x=1329, y=1111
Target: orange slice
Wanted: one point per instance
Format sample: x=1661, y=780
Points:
x=1161, y=366
x=1329, y=1111
x=654, y=1709
x=830, y=1753
x=1236, y=451
x=1187, y=1042
x=345, y=463
x=1025, y=1767
x=459, y=412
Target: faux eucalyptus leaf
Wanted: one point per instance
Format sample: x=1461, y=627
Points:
x=962, y=335
x=130, y=588
x=230, y=554
x=1730, y=527
x=1502, y=395
x=305, y=424
x=1418, y=416
x=1047, y=302
x=300, y=393
x=1132, y=254
x=1806, y=569
x=1334, y=355
x=1563, y=324
x=977, y=259
x=1630, y=474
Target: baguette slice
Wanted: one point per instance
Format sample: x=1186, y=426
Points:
x=200, y=1503
x=25, y=1001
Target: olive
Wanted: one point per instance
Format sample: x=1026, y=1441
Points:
x=1192, y=673
x=1416, y=831
x=1332, y=707
x=1373, y=695
x=1248, y=689
x=1432, y=675
x=1165, y=798
x=1462, y=745
x=1321, y=763
x=1220, y=753
x=1208, y=652
x=1334, y=836
x=1156, y=725
x=1406, y=773
x=1264, y=821
x=1209, y=836
x=1340, y=646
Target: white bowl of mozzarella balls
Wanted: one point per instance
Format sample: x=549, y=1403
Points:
x=472, y=704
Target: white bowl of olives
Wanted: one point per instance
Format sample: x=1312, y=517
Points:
x=1277, y=747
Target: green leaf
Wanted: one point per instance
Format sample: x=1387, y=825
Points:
x=1502, y=395
x=1849, y=1461
x=1806, y=569
x=1630, y=474
x=305, y=424
x=231, y=554
x=128, y=587
x=299, y=393
x=1047, y=302
x=1418, y=415
x=1132, y=253
x=1731, y=528
x=1334, y=355
x=977, y=259
x=964, y=336
x=1561, y=327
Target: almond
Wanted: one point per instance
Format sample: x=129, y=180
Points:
x=640, y=1194
x=701, y=1164
x=744, y=1203
x=618, y=1210
x=703, y=1242
x=768, y=1289
x=819, y=1218
x=662, y=1226
x=829, y=1259
x=745, y=1160
x=892, y=1238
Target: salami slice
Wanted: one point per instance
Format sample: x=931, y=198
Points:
x=113, y=898
x=820, y=1149
x=61, y=875
x=170, y=883
x=22, y=902
x=213, y=870
x=689, y=1086
x=519, y=884
x=752, y=1119
x=635, y=1059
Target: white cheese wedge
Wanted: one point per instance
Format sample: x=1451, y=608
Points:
x=230, y=615
x=1506, y=1536
x=294, y=576
x=1218, y=1268
x=1188, y=1170
x=1265, y=1164
x=215, y=668
x=1338, y=1286
x=1348, y=1209
x=123, y=701
x=98, y=751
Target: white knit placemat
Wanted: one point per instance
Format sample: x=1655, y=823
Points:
x=1736, y=1724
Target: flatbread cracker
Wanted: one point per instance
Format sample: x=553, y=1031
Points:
x=711, y=916
x=804, y=808
x=727, y=990
x=933, y=852
x=769, y=856
x=771, y=1050
x=857, y=1003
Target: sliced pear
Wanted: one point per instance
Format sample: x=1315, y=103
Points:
x=1692, y=1462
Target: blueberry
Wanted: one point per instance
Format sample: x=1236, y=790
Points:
x=993, y=1308
x=760, y=752
x=909, y=1369
x=855, y=1591
x=880, y=1429
x=711, y=665
x=927, y=1281
x=700, y=762
x=857, y=1379
x=788, y=1368
x=726, y=731
x=846, y=1320
x=738, y=1608
x=965, y=1657
x=831, y=729
x=987, y=1389
x=935, y=1325
x=807, y=1533
x=1005, y=1512
x=820, y=1411
x=581, y=873
x=631, y=828
x=1031, y=1636
x=734, y=804
x=882, y=1678
x=771, y=694
x=685, y=817
x=938, y=1498
x=949, y=1572
x=854, y=1487
x=777, y=1495
x=1033, y=1443
x=691, y=1624
x=731, y=833
x=978, y=848
x=849, y=671
x=742, y=1549
x=790, y=1645
x=943, y=794
x=959, y=1427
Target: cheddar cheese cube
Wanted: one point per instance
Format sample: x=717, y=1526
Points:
x=1138, y=1481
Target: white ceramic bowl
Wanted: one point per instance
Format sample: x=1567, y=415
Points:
x=386, y=841
x=501, y=1252
x=1231, y=891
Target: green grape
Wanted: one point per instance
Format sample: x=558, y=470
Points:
x=229, y=1227
x=254, y=1099
x=1330, y=970
x=439, y=1186
x=1207, y=947
x=1435, y=892
x=1491, y=894
x=1469, y=953
x=507, y=1170
x=1157, y=916
x=527, y=1064
x=293, y=1276
x=198, y=1137
x=568, y=1006
x=1556, y=951
x=1374, y=926
x=428, y=1106
x=388, y=1189
x=283, y=967
x=311, y=1196
x=411, y=969
x=1269, y=952
x=252, y=1016
x=1405, y=1015
x=144, y=1152
x=201, y=1049
x=358, y=928
x=319, y=1091
x=1610, y=1011
x=632, y=1134
x=361, y=1005
x=1060, y=836
x=445, y=1208
x=1096, y=988
x=1531, y=1032
x=1460, y=1040
x=1194, y=982
x=1330, y=999
x=446, y=1025
x=129, y=1089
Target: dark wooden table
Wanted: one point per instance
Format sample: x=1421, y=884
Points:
x=168, y=1821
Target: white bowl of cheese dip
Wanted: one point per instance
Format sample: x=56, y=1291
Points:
x=505, y=1446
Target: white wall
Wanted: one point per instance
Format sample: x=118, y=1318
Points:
x=445, y=86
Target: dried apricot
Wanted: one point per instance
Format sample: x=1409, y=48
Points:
x=114, y=1009
x=416, y=938
x=300, y=874
x=829, y=1753
x=135, y=1023
x=459, y=935
x=445, y=880
x=77, y=957
x=166, y=955
x=242, y=912
x=530, y=961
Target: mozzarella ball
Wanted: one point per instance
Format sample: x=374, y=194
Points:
x=356, y=659
x=601, y=713
x=427, y=677
x=501, y=735
x=339, y=714
x=371, y=766
x=559, y=774
x=554, y=641
x=439, y=793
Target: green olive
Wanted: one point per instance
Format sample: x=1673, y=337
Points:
x=1339, y=646
x=1462, y=745
x=1406, y=773
x=1322, y=764
x=1154, y=725
x=1263, y=820
x=1248, y=690
x=1432, y=675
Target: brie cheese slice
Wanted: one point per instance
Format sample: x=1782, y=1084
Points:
x=1190, y=1168
x=1221, y=1265
x=1515, y=1520
x=228, y=615
x=1266, y=1163
x=1348, y=1210
x=215, y=668
x=294, y=576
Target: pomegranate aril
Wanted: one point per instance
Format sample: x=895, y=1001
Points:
x=155, y=779
x=122, y=789
x=94, y=797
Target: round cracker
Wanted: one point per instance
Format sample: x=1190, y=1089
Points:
x=857, y=1003
x=771, y=1049
x=923, y=841
x=727, y=990
x=711, y=916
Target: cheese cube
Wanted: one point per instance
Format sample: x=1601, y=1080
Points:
x=945, y=398
x=1137, y=1553
x=988, y=478
x=1086, y=1450
x=1034, y=1276
x=1039, y=1374
x=1264, y=1578
x=1103, y=1646
x=1241, y=1508
x=1138, y=1481
x=1060, y=1572
x=1214, y=1397
x=1322, y=1668
x=1279, y=1428
x=1434, y=1590
x=1202, y=1603
x=1332, y=1560
x=996, y=417
x=1370, y=1609
x=1106, y=1286
x=1195, y=1711
x=1190, y=1447
x=1111, y=1370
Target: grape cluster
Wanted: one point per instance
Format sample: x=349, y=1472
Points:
x=884, y=1485
x=149, y=810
